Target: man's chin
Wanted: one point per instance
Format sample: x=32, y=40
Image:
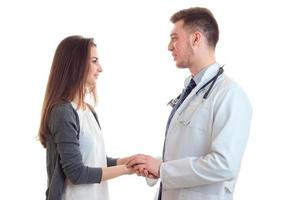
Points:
x=180, y=66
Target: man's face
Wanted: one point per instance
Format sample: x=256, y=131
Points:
x=180, y=46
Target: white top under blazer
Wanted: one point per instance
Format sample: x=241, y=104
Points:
x=93, y=155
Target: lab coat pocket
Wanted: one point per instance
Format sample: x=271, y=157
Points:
x=195, y=115
x=195, y=195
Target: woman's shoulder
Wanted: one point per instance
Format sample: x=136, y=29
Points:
x=63, y=111
x=63, y=122
x=63, y=107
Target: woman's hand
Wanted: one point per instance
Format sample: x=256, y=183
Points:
x=123, y=161
x=128, y=170
x=145, y=165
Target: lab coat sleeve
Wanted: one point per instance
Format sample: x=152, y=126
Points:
x=229, y=134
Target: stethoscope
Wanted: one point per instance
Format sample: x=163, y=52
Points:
x=212, y=82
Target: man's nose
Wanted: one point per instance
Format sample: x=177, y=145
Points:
x=100, y=68
x=170, y=46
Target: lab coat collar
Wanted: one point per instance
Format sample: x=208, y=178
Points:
x=205, y=74
x=210, y=72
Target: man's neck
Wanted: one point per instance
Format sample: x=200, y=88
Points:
x=202, y=58
x=198, y=67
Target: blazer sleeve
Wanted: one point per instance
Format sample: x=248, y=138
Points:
x=230, y=129
x=63, y=126
x=111, y=161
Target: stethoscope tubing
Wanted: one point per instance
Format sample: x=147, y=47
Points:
x=212, y=82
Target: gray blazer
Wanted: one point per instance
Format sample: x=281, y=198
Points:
x=64, y=159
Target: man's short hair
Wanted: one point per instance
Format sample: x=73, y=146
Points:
x=199, y=19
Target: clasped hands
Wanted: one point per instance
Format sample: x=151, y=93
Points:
x=144, y=165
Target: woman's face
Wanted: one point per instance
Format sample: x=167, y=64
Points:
x=95, y=68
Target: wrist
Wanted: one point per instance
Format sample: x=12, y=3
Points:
x=121, y=161
x=159, y=167
x=125, y=169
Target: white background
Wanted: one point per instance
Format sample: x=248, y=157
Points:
x=259, y=42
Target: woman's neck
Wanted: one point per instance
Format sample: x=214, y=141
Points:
x=81, y=105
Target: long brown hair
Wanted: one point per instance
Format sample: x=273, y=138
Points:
x=69, y=70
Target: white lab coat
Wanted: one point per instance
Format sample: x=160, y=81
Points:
x=205, y=142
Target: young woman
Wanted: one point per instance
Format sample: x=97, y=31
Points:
x=77, y=165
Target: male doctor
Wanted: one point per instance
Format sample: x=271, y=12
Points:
x=208, y=127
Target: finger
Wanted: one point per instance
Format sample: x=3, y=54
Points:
x=130, y=159
x=141, y=171
x=136, y=161
x=146, y=173
x=139, y=167
x=150, y=176
x=127, y=159
x=131, y=163
x=138, y=173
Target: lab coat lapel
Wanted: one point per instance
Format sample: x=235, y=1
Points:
x=209, y=73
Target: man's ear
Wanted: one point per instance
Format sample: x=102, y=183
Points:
x=196, y=38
